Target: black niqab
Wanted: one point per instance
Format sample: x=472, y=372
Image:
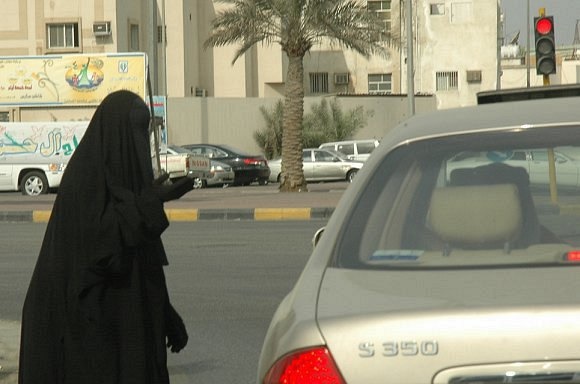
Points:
x=97, y=308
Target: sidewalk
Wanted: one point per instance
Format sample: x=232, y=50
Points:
x=233, y=203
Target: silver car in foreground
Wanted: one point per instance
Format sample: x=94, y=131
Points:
x=428, y=276
x=320, y=165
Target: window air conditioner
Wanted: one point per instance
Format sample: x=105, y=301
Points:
x=341, y=78
x=102, y=28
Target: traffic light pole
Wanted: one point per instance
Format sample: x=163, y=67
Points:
x=551, y=157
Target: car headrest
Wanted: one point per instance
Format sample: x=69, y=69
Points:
x=473, y=216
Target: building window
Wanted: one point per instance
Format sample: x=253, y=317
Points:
x=134, y=37
x=380, y=83
x=319, y=82
x=446, y=81
x=383, y=10
x=437, y=8
x=62, y=35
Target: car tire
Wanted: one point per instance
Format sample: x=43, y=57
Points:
x=351, y=174
x=34, y=183
x=263, y=182
x=199, y=183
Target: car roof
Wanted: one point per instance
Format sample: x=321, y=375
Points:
x=487, y=117
x=350, y=141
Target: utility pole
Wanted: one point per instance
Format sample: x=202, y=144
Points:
x=528, y=48
x=499, y=42
x=410, y=74
x=152, y=38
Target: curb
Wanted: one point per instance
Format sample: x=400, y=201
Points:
x=174, y=215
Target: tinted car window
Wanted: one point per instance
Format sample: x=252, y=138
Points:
x=364, y=148
x=347, y=149
x=197, y=150
x=178, y=149
x=540, y=155
x=215, y=153
x=462, y=202
x=323, y=156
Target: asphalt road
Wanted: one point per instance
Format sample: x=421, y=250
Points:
x=225, y=277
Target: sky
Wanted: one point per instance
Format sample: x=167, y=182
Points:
x=566, y=13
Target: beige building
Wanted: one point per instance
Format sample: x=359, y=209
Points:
x=455, y=55
x=455, y=47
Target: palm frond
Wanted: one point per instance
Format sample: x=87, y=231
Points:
x=348, y=23
x=245, y=22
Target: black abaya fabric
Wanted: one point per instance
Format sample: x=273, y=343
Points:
x=97, y=308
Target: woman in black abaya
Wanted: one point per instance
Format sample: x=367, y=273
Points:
x=97, y=308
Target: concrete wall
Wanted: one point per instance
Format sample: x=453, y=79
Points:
x=234, y=120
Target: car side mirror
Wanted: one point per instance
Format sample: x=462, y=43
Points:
x=317, y=236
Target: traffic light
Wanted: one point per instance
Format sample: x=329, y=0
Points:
x=545, y=45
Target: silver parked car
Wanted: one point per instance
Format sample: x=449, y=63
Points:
x=220, y=174
x=320, y=165
x=435, y=272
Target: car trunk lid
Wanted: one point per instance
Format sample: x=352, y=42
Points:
x=407, y=326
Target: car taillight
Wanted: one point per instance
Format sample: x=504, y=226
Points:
x=253, y=161
x=306, y=366
x=573, y=256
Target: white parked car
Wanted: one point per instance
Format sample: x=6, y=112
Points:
x=357, y=150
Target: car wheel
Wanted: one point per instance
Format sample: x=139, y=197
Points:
x=199, y=183
x=351, y=174
x=263, y=182
x=34, y=183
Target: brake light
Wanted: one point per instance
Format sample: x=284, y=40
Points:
x=307, y=366
x=253, y=161
x=573, y=256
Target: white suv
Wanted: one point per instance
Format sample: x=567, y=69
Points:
x=357, y=150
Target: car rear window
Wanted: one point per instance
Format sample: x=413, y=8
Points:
x=470, y=201
x=365, y=148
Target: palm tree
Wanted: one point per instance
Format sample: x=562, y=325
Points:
x=297, y=26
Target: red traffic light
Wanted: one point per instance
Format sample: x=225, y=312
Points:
x=545, y=45
x=544, y=25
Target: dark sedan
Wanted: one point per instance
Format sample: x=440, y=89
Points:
x=248, y=168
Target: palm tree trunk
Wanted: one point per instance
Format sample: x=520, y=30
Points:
x=292, y=174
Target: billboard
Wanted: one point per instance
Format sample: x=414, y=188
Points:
x=39, y=142
x=72, y=79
